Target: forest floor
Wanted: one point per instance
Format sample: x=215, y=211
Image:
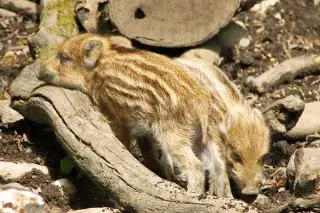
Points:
x=297, y=26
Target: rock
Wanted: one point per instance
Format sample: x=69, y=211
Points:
x=12, y=171
x=57, y=22
x=261, y=8
x=87, y=14
x=9, y=115
x=262, y=202
x=307, y=173
x=235, y=33
x=308, y=123
x=302, y=203
x=14, y=185
x=244, y=42
x=13, y=200
x=307, y=177
x=280, y=153
x=9, y=59
x=96, y=210
x=66, y=186
x=284, y=114
x=278, y=16
x=210, y=52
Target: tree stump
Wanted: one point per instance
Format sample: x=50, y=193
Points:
x=86, y=136
x=173, y=23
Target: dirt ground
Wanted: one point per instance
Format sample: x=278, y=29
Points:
x=29, y=142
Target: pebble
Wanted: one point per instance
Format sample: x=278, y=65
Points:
x=9, y=115
x=13, y=200
x=262, y=201
x=12, y=171
x=66, y=186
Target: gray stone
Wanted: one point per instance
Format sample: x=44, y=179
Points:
x=96, y=210
x=12, y=171
x=66, y=186
x=87, y=13
x=307, y=178
x=210, y=52
x=235, y=33
x=13, y=200
x=284, y=114
x=57, y=23
x=9, y=115
x=262, y=202
x=261, y=8
x=308, y=123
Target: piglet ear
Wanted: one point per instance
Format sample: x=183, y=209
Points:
x=92, y=51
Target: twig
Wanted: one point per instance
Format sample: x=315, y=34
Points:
x=284, y=72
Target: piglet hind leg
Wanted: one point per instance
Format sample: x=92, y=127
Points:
x=186, y=167
x=190, y=169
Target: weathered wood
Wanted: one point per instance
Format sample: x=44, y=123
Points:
x=286, y=71
x=173, y=23
x=20, y=6
x=87, y=137
x=57, y=23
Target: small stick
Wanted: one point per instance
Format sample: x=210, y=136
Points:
x=284, y=72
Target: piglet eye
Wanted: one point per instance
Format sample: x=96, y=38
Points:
x=64, y=58
x=236, y=157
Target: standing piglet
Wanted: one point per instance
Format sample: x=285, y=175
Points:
x=245, y=134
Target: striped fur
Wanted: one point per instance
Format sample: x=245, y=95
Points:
x=144, y=95
x=245, y=133
x=189, y=113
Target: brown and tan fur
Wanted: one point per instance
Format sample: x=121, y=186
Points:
x=185, y=115
x=246, y=134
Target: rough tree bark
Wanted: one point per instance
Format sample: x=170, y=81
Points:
x=87, y=137
x=20, y=6
x=174, y=23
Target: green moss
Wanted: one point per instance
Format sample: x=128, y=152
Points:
x=47, y=52
x=104, y=119
x=66, y=24
x=2, y=96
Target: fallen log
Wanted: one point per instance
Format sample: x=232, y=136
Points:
x=174, y=23
x=86, y=136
